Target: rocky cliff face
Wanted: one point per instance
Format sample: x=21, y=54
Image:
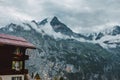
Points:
x=67, y=56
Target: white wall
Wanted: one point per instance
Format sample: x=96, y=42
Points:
x=9, y=77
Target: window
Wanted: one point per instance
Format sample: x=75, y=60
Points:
x=16, y=78
x=18, y=52
x=17, y=65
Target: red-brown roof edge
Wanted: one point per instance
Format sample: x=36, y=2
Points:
x=15, y=41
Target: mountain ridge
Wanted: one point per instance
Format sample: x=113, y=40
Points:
x=57, y=29
x=59, y=54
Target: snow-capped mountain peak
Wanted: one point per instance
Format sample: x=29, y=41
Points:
x=60, y=27
x=54, y=27
x=43, y=22
x=60, y=51
x=108, y=38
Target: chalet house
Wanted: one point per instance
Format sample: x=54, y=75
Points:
x=12, y=57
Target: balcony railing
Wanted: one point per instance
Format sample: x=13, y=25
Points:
x=13, y=72
x=21, y=57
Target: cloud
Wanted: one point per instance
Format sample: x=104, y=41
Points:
x=79, y=15
x=10, y=14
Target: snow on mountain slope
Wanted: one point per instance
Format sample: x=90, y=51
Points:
x=46, y=29
x=109, y=41
x=107, y=38
x=50, y=26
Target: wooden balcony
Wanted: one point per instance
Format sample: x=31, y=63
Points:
x=13, y=72
x=21, y=57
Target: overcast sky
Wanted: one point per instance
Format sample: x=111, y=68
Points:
x=80, y=15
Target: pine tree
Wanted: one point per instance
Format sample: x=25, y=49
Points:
x=37, y=77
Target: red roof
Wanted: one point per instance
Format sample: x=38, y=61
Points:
x=15, y=41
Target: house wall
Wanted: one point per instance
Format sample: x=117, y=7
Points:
x=9, y=77
x=5, y=56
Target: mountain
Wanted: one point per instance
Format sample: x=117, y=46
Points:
x=60, y=27
x=108, y=38
x=43, y=22
x=62, y=52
